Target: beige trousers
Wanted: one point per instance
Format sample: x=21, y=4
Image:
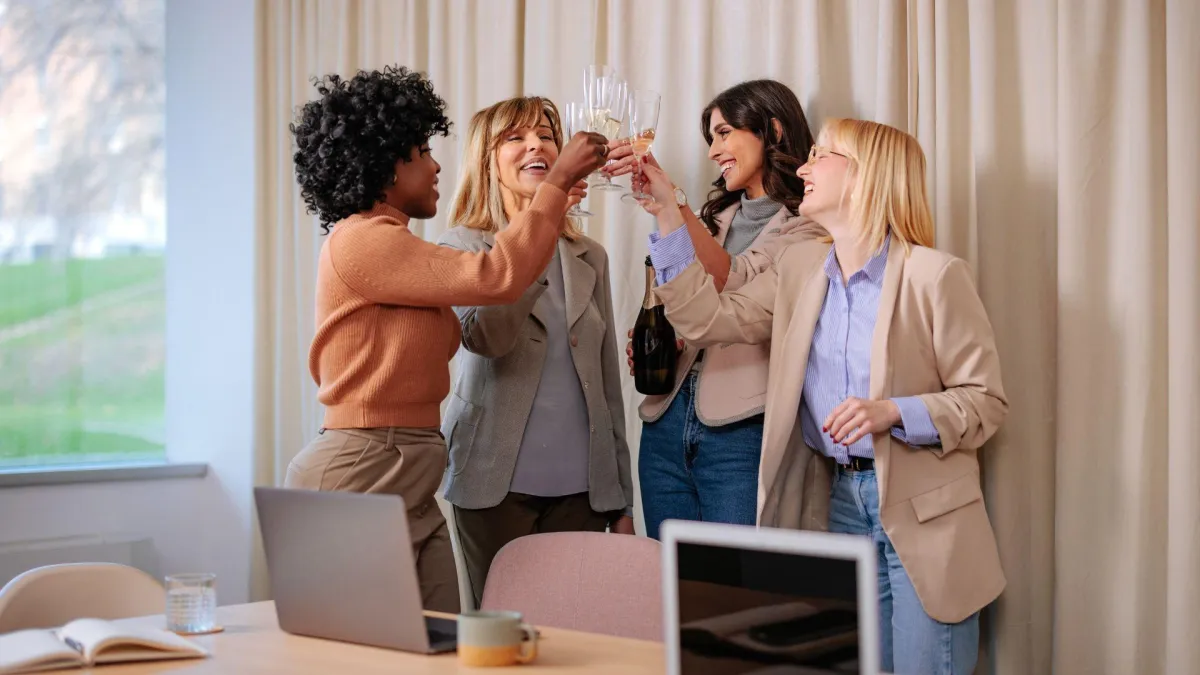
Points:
x=405, y=462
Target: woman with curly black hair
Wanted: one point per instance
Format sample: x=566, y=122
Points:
x=385, y=329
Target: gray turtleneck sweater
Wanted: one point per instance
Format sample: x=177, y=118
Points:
x=748, y=221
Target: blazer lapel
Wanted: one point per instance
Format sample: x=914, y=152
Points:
x=787, y=382
x=539, y=313
x=579, y=279
x=724, y=220
x=881, y=365
x=798, y=338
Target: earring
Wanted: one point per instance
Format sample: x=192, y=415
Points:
x=394, y=179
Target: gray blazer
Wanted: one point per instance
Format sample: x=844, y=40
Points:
x=499, y=372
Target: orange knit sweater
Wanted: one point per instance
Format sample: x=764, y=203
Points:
x=385, y=330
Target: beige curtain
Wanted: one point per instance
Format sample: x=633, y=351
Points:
x=1063, y=141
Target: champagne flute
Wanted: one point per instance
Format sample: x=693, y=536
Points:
x=606, y=99
x=576, y=119
x=642, y=124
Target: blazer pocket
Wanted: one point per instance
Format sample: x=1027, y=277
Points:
x=950, y=497
x=462, y=432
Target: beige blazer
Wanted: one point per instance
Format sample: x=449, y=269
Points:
x=932, y=339
x=733, y=377
x=499, y=372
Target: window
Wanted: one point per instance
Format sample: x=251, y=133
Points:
x=82, y=231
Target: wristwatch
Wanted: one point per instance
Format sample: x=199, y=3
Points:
x=680, y=197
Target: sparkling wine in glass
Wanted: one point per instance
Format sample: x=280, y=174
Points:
x=576, y=118
x=607, y=101
x=642, y=124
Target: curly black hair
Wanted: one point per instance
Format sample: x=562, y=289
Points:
x=349, y=140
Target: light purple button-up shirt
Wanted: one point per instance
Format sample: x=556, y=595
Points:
x=839, y=362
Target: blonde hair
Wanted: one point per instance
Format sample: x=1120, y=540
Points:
x=479, y=204
x=889, y=194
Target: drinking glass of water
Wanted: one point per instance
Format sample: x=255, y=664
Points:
x=192, y=603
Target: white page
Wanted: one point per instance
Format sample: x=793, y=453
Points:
x=20, y=650
x=127, y=643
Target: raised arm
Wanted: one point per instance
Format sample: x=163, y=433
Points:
x=492, y=330
x=671, y=253
x=761, y=255
x=671, y=219
x=704, y=317
x=728, y=272
x=386, y=263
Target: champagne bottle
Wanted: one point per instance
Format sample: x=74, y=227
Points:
x=655, y=353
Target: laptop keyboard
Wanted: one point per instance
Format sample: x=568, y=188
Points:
x=441, y=630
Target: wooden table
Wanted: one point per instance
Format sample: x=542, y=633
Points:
x=253, y=643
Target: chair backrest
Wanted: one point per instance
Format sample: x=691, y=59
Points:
x=587, y=581
x=53, y=595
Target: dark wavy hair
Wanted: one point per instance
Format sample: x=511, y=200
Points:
x=349, y=140
x=751, y=106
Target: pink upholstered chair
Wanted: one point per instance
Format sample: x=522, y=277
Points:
x=50, y=596
x=587, y=581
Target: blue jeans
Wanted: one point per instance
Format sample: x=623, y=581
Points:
x=690, y=471
x=913, y=642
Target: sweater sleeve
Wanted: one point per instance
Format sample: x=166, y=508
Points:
x=388, y=264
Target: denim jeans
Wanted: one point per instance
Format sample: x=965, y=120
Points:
x=690, y=471
x=913, y=642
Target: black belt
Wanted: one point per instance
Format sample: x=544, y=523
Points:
x=858, y=464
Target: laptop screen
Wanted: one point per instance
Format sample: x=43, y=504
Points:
x=765, y=612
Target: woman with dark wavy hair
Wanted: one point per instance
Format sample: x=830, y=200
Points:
x=700, y=444
x=385, y=329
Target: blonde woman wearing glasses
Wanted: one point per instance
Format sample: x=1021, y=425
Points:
x=536, y=423
x=888, y=371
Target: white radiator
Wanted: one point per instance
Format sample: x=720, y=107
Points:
x=19, y=556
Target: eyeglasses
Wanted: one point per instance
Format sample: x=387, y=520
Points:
x=819, y=152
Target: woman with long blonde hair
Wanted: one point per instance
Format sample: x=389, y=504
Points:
x=536, y=424
x=885, y=365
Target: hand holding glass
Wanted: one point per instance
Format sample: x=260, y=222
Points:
x=642, y=125
x=606, y=97
x=576, y=119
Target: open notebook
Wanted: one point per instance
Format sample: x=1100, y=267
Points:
x=88, y=642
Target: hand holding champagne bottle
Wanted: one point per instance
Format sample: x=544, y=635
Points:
x=629, y=349
x=655, y=350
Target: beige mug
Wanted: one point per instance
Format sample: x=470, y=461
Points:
x=487, y=639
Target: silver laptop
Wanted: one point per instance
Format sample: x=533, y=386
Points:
x=342, y=568
x=742, y=599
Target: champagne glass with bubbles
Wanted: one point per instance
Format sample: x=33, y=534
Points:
x=604, y=94
x=642, y=122
x=575, y=119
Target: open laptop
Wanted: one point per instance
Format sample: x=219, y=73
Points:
x=342, y=568
x=742, y=599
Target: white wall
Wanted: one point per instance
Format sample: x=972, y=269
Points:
x=197, y=524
